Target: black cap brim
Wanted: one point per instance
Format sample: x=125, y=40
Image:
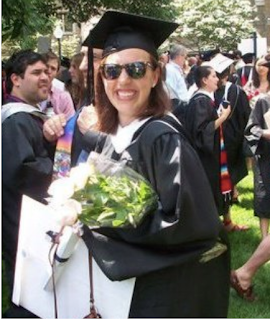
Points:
x=208, y=54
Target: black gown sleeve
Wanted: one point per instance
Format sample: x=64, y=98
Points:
x=200, y=123
x=256, y=124
x=27, y=166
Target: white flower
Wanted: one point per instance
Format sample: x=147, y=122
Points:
x=61, y=190
x=67, y=213
x=80, y=174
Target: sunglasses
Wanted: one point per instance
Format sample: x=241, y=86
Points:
x=135, y=70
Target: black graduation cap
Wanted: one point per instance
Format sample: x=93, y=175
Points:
x=118, y=30
x=230, y=55
x=65, y=62
x=248, y=57
x=208, y=54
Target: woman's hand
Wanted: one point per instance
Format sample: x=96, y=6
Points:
x=223, y=115
x=225, y=112
x=87, y=119
x=266, y=134
x=53, y=128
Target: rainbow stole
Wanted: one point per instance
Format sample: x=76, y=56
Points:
x=62, y=157
x=225, y=179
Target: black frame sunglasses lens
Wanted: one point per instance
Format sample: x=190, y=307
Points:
x=111, y=71
x=136, y=70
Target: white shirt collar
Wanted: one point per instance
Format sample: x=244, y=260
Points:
x=207, y=93
x=123, y=137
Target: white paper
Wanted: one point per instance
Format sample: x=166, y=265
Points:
x=247, y=46
x=112, y=298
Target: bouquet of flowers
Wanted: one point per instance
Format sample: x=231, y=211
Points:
x=103, y=193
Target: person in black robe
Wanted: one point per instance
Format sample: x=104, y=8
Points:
x=26, y=157
x=203, y=122
x=166, y=251
x=257, y=134
x=245, y=73
x=235, y=125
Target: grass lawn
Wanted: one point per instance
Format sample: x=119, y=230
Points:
x=243, y=244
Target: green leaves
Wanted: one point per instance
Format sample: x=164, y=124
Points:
x=82, y=10
x=115, y=201
x=214, y=23
x=24, y=18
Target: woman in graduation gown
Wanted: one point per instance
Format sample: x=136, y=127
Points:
x=258, y=137
x=205, y=124
x=235, y=125
x=178, y=254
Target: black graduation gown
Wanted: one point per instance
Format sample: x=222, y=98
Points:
x=200, y=123
x=233, y=130
x=26, y=169
x=163, y=252
x=243, y=74
x=261, y=149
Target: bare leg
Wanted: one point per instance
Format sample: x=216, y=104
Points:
x=264, y=226
x=235, y=195
x=258, y=258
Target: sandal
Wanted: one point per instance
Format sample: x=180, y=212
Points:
x=246, y=294
x=235, y=200
x=230, y=227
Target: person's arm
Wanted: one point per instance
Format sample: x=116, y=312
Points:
x=200, y=123
x=224, y=114
x=53, y=128
x=266, y=134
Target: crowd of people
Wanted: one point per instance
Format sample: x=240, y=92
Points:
x=183, y=122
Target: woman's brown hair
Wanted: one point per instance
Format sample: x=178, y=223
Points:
x=77, y=90
x=159, y=104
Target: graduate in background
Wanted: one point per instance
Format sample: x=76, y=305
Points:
x=258, y=136
x=27, y=160
x=245, y=72
x=235, y=125
x=204, y=124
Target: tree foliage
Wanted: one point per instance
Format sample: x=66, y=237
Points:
x=203, y=23
x=82, y=10
x=214, y=23
x=22, y=19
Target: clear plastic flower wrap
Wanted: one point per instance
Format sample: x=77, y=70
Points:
x=108, y=193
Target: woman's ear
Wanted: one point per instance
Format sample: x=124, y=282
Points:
x=204, y=81
x=157, y=74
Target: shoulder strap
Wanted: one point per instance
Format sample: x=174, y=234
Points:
x=236, y=100
x=198, y=94
x=15, y=107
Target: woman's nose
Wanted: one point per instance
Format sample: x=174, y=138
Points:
x=84, y=64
